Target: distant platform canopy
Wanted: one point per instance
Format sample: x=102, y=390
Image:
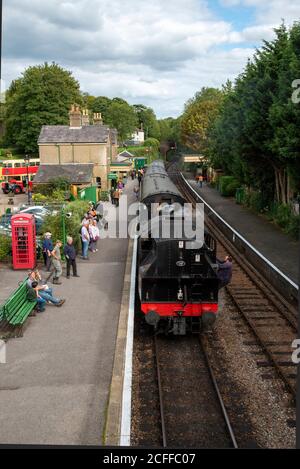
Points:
x=194, y=158
x=75, y=173
x=126, y=154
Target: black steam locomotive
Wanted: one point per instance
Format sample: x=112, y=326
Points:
x=178, y=285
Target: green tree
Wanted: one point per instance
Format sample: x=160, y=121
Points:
x=122, y=117
x=152, y=142
x=147, y=118
x=88, y=101
x=284, y=117
x=256, y=138
x=101, y=104
x=199, y=115
x=42, y=96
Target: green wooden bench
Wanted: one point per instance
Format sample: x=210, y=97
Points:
x=17, y=308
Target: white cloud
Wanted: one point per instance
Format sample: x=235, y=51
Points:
x=154, y=52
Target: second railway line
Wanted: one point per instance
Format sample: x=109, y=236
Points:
x=269, y=317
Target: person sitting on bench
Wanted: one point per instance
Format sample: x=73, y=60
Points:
x=33, y=295
x=45, y=292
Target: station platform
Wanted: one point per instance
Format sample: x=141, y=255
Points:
x=55, y=386
x=279, y=248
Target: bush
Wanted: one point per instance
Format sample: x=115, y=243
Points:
x=5, y=248
x=55, y=186
x=231, y=189
x=255, y=201
x=54, y=223
x=57, y=196
x=283, y=215
x=104, y=196
x=40, y=198
x=285, y=218
x=228, y=186
x=294, y=226
x=152, y=142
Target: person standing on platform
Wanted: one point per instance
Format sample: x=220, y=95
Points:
x=94, y=235
x=112, y=190
x=56, y=261
x=85, y=238
x=116, y=197
x=200, y=181
x=47, y=249
x=70, y=255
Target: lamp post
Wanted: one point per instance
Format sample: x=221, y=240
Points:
x=64, y=215
x=63, y=224
x=27, y=161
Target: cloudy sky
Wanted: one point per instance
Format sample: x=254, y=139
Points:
x=155, y=52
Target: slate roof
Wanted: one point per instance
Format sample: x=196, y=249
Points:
x=65, y=134
x=126, y=154
x=75, y=173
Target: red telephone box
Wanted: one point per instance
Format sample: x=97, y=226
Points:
x=23, y=241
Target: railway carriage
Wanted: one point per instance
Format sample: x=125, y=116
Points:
x=177, y=281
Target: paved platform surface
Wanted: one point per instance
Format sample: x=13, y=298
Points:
x=54, y=388
x=277, y=247
x=18, y=200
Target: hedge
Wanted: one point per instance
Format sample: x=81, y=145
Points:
x=228, y=186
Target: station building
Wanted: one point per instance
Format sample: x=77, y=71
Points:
x=77, y=145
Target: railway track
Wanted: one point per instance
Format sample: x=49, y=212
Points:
x=269, y=318
x=192, y=411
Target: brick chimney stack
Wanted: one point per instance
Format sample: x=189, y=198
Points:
x=75, y=117
x=85, y=117
x=98, y=118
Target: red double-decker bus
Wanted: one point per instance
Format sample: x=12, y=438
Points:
x=16, y=175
